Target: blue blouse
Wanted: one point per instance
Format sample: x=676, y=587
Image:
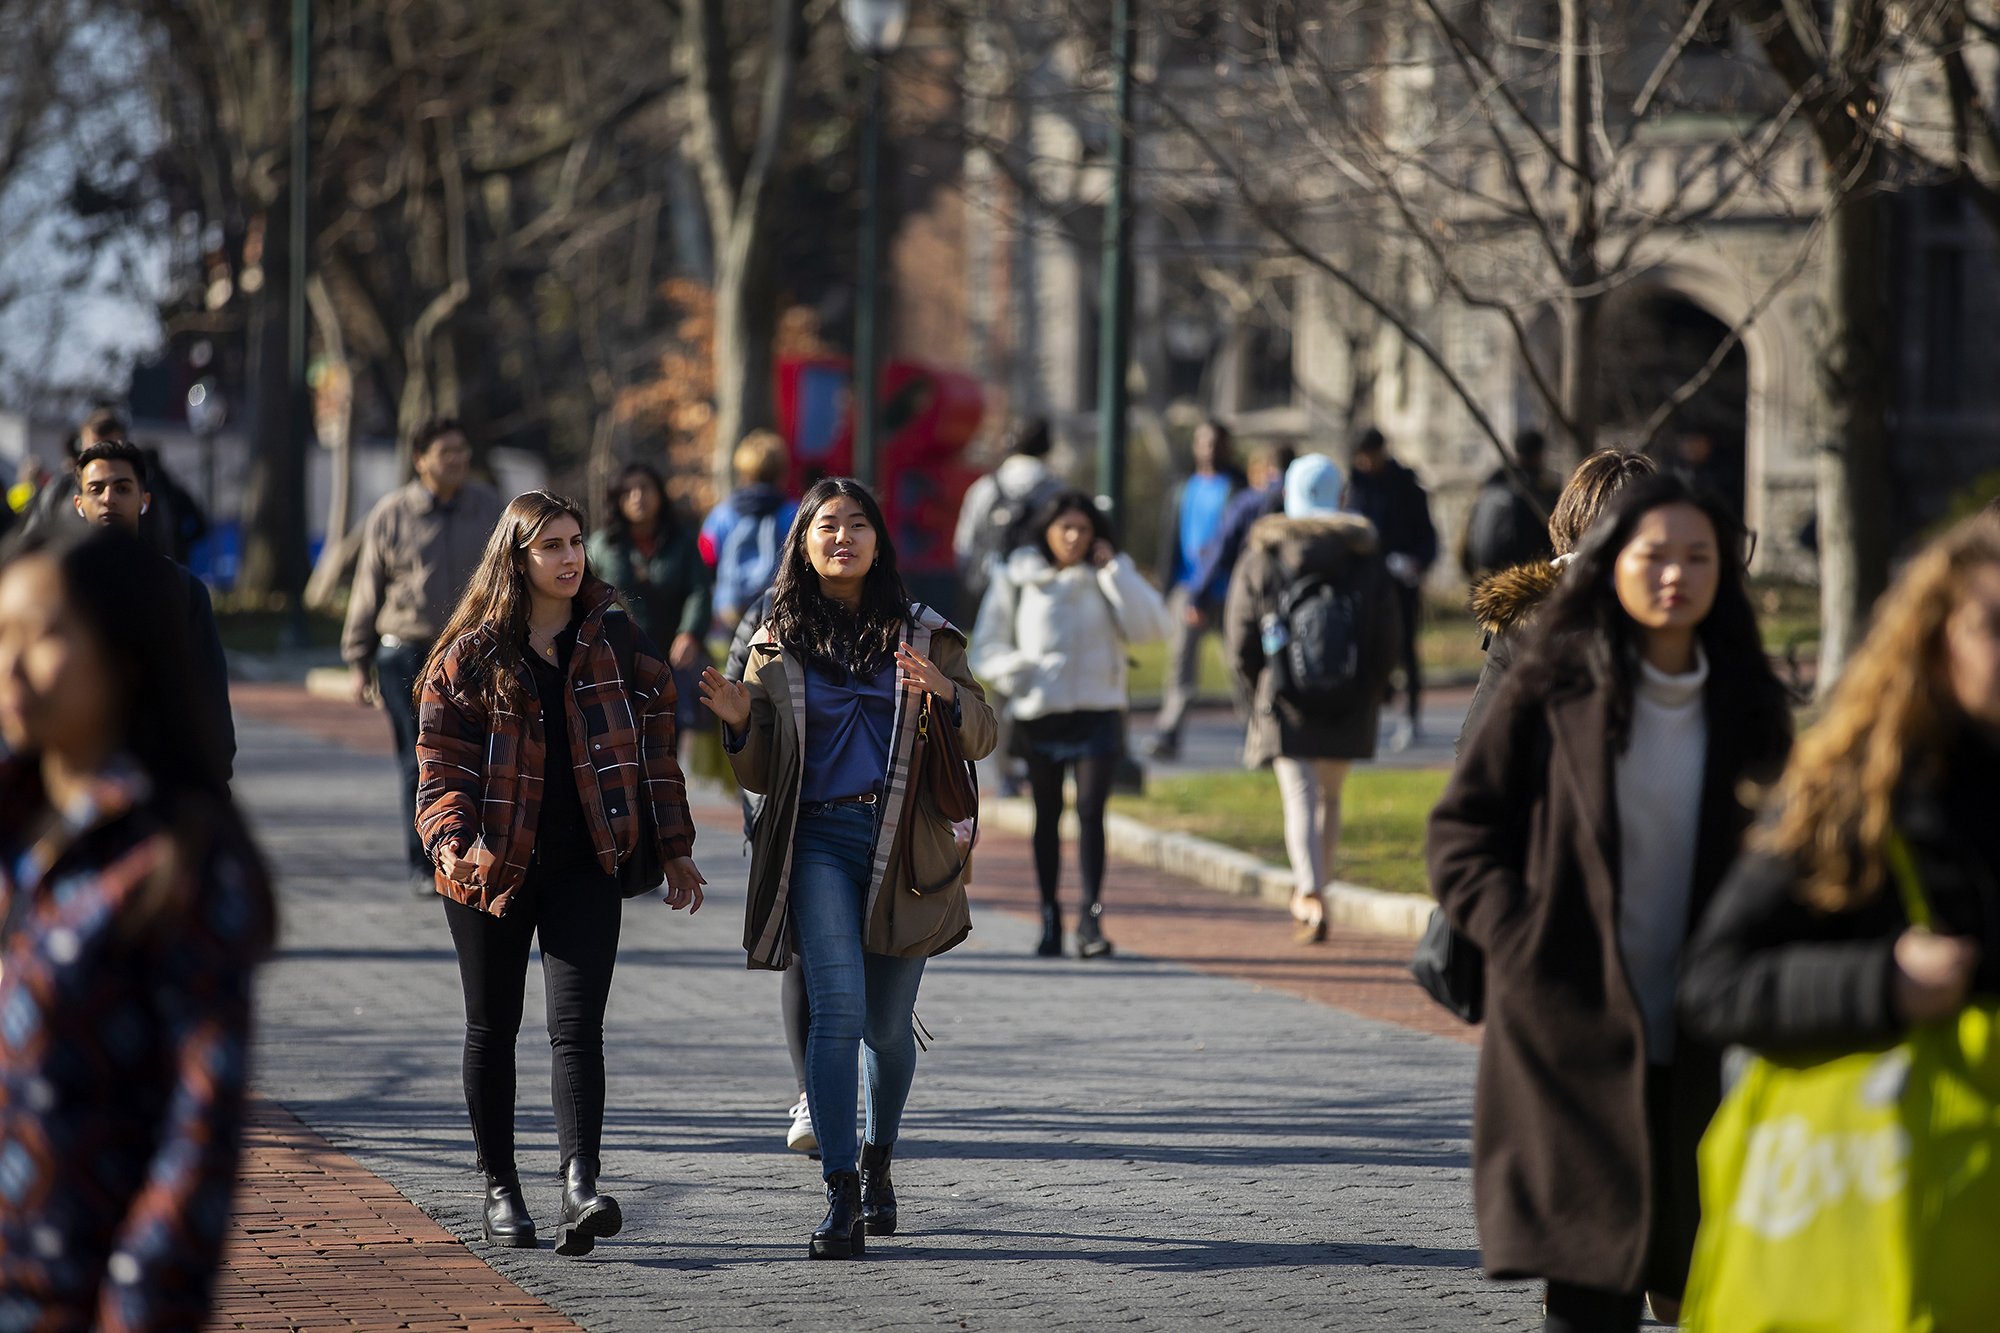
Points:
x=849, y=724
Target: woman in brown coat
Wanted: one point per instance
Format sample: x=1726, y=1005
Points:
x=1591, y=816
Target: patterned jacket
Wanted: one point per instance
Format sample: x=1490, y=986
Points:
x=479, y=771
x=123, y=1062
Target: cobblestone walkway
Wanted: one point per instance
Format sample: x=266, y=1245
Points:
x=1143, y=1141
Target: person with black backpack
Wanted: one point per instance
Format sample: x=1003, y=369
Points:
x=1311, y=627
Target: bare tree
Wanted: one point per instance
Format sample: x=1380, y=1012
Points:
x=737, y=180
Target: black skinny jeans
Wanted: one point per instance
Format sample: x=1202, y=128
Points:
x=576, y=912
x=1094, y=776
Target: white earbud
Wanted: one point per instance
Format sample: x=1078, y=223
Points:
x=144, y=507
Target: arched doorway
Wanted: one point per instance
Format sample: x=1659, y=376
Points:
x=1653, y=340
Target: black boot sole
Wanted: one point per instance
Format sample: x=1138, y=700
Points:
x=854, y=1245
x=581, y=1236
x=880, y=1226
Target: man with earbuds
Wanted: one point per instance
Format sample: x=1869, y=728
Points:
x=111, y=492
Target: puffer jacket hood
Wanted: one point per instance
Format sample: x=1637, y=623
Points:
x=757, y=499
x=1508, y=598
x=1329, y=542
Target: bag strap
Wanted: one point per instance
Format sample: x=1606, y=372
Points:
x=1904, y=867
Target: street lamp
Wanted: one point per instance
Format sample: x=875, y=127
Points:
x=875, y=30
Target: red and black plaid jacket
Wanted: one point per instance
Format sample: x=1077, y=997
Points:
x=480, y=768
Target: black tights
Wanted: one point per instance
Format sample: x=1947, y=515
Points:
x=1093, y=789
x=576, y=914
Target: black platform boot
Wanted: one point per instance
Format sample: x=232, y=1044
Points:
x=842, y=1235
x=878, y=1192
x=1090, y=941
x=506, y=1221
x=1051, y=945
x=586, y=1214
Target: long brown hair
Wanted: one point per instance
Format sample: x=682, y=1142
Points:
x=497, y=597
x=1889, y=714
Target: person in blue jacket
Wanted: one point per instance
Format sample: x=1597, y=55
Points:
x=1190, y=522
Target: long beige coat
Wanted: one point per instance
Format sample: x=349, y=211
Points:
x=900, y=921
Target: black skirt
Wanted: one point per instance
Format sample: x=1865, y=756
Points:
x=1064, y=738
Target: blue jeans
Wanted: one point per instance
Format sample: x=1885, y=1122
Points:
x=857, y=998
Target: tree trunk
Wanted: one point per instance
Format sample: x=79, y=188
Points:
x=1858, y=371
x=268, y=541
x=1580, y=309
x=745, y=323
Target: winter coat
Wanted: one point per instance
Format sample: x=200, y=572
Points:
x=1278, y=550
x=1218, y=558
x=1504, y=604
x=1394, y=501
x=1053, y=640
x=739, y=582
x=479, y=770
x=124, y=1066
x=1166, y=561
x=1523, y=857
x=1505, y=529
x=1770, y=971
x=769, y=759
x=668, y=593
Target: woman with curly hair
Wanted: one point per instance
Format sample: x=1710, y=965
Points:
x=1589, y=820
x=852, y=866
x=1808, y=943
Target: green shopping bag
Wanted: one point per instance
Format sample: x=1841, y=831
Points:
x=1857, y=1192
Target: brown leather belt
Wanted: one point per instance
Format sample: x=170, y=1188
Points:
x=865, y=798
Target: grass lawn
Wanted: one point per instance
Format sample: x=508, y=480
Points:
x=1383, y=813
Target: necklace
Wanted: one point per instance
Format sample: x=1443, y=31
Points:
x=543, y=644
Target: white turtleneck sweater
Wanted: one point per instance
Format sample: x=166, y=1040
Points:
x=1658, y=782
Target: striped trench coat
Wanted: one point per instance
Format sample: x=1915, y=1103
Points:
x=479, y=768
x=899, y=921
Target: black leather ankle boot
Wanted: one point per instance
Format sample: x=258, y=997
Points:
x=586, y=1214
x=1090, y=941
x=878, y=1192
x=842, y=1235
x=506, y=1220
x=1051, y=945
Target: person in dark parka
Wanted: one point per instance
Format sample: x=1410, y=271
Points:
x=1808, y=944
x=1645, y=673
x=1310, y=749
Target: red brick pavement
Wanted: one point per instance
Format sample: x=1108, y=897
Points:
x=319, y=1243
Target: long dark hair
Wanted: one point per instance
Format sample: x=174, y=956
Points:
x=497, y=597
x=1586, y=636
x=1053, y=508
x=813, y=624
x=135, y=606
x=664, y=522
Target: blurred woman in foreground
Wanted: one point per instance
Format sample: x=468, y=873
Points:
x=135, y=910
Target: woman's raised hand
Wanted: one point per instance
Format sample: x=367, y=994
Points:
x=921, y=671
x=726, y=698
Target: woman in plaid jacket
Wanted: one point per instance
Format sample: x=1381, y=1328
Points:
x=528, y=668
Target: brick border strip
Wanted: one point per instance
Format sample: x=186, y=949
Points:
x=316, y=1241
x=1226, y=870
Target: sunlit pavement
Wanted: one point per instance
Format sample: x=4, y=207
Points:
x=1135, y=1142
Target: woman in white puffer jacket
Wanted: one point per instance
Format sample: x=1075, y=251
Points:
x=1052, y=635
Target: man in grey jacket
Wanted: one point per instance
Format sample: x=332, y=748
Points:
x=420, y=547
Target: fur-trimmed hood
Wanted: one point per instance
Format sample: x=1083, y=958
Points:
x=1508, y=598
x=1329, y=541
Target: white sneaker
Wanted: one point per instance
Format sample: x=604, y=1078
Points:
x=801, y=1137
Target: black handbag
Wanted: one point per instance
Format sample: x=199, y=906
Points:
x=1451, y=969
x=640, y=872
